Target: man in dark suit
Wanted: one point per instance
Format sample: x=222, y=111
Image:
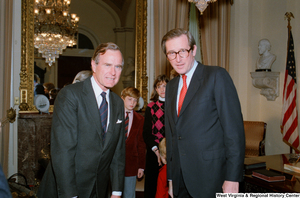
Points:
x=4, y=188
x=87, y=148
x=204, y=124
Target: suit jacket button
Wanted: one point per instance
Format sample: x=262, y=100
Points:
x=179, y=138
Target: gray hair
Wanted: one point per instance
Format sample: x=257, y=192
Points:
x=82, y=75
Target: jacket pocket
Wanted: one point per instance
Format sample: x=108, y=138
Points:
x=214, y=154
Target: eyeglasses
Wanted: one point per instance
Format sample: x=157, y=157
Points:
x=183, y=53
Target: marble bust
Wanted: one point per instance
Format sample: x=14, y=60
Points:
x=266, y=59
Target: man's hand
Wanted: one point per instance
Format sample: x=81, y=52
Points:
x=230, y=187
x=158, y=157
x=115, y=196
x=140, y=173
x=170, y=189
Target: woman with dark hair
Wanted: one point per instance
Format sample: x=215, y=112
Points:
x=47, y=87
x=153, y=133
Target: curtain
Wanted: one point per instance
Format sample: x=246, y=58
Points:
x=215, y=34
x=168, y=14
x=194, y=29
x=5, y=73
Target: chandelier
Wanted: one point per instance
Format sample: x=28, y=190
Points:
x=202, y=4
x=54, y=28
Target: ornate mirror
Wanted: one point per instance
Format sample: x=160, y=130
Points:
x=27, y=54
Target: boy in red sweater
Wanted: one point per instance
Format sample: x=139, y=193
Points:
x=135, y=145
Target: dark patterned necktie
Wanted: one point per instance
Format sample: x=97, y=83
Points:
x=103, y=114
x=126, y=124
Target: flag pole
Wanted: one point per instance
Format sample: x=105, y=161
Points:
x=289, y=121
x=288, y=16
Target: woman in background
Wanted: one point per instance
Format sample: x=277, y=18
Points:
x=47, y=87
x=153, y=132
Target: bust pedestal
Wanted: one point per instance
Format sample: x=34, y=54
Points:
x=268, y=82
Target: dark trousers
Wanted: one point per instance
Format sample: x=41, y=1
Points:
x=182, y=192
x=108, y=192
x=151, y=174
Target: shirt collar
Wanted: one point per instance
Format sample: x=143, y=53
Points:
x=97, y=89
x=130, y=113
x=190, y=73
x=161, y=99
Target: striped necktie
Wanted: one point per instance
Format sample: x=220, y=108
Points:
x=126, y=124
x=103, y=114
x=182, y=93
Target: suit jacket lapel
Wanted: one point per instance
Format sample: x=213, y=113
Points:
x=173, y=99
x=112, y=118
x=135, y=122
x=193, y=87
x=91, y=105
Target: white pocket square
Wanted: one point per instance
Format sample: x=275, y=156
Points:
x=119, y=121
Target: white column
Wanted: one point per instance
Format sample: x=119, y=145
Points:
x=150, y=47
x=15, y=83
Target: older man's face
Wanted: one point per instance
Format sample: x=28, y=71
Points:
x=181, y=65
x=108, y=70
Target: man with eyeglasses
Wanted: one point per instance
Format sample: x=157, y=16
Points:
x=204, y=124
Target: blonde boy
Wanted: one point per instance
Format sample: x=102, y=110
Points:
x=163, y=190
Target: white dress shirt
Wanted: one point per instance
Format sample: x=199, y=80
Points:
x=97, y=92
x=189, y=76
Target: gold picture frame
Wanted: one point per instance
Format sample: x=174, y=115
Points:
x=27, y=54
